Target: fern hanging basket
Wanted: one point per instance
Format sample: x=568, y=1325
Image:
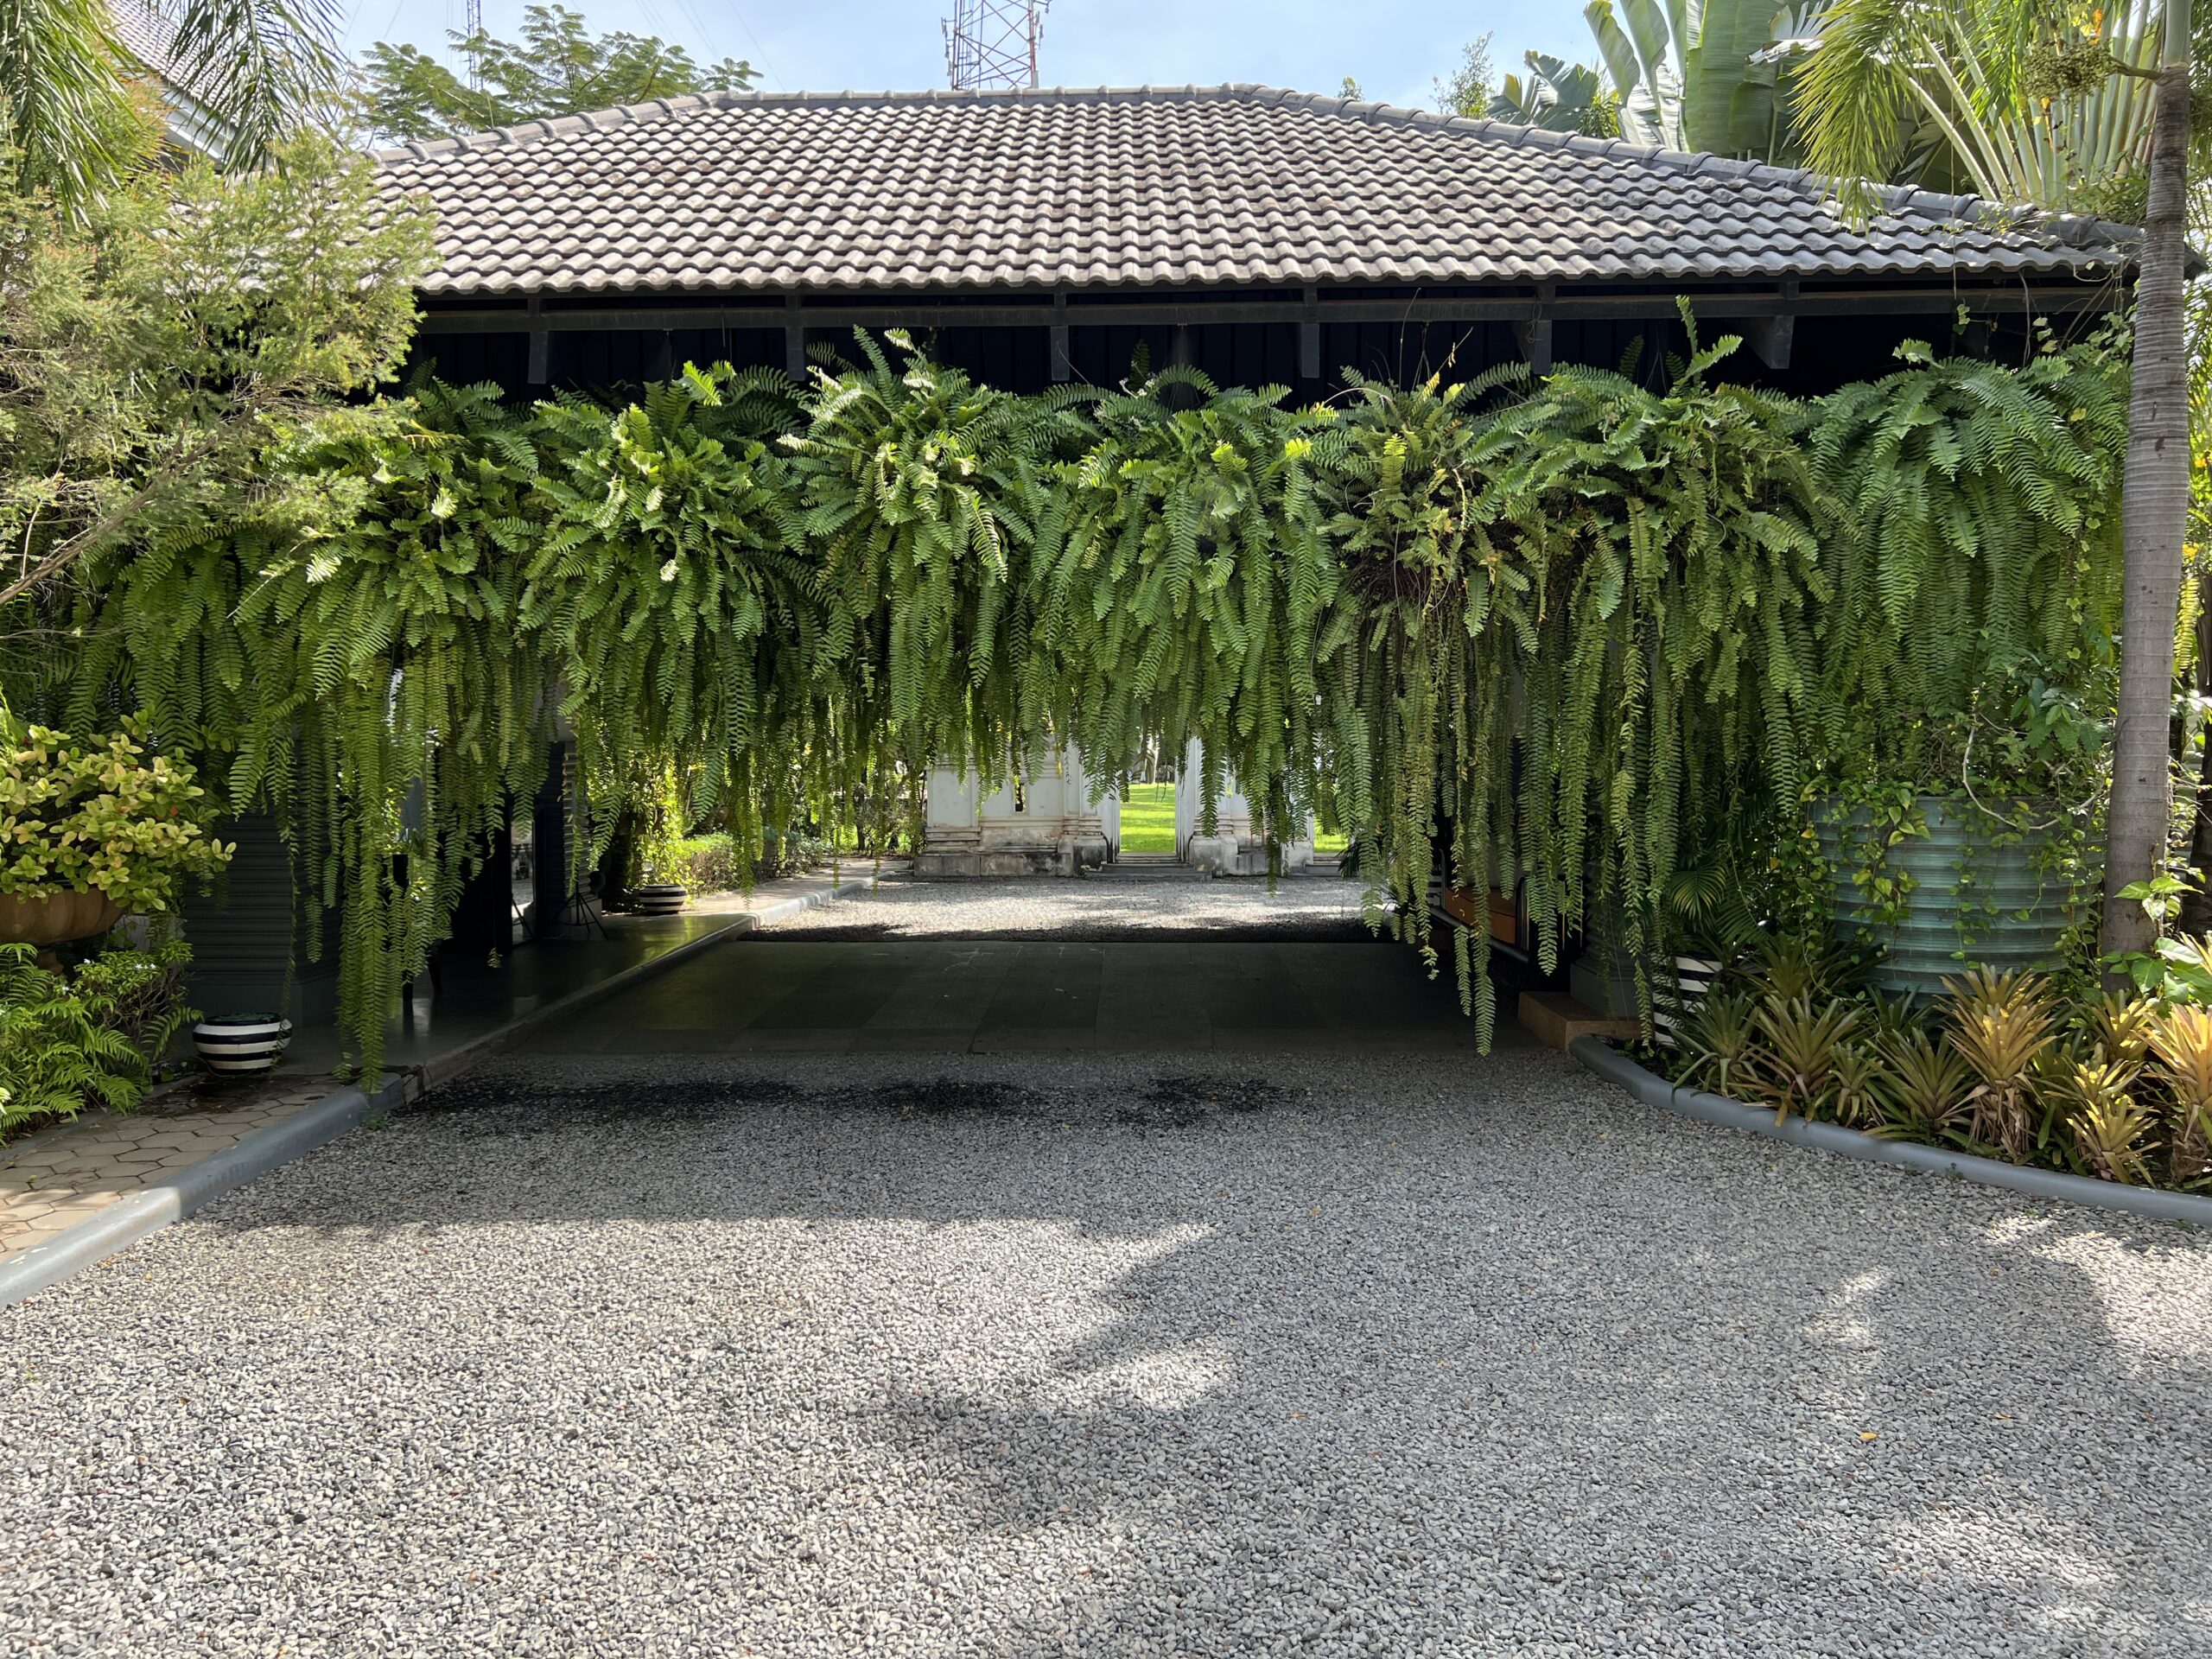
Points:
x=1946, y=888
x=56, y=918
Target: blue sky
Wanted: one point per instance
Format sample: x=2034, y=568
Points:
x=1392, y=48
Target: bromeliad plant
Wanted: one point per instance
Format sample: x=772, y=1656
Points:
x=2117, y=1086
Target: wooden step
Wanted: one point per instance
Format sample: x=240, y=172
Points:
x=1557, y=1019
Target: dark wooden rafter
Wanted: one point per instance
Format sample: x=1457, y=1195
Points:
x=795, y=313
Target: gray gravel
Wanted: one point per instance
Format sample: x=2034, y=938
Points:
x=1107, y=1356
x=1132, y=903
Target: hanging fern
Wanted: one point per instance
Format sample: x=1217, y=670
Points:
x=1572, y=634
x=1183, y=590
x=664, y=595
x=1585, y=635
x=919, y=493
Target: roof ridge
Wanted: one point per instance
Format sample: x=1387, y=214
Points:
x=1900, y=200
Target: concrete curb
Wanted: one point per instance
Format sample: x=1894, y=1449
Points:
x=126, y=1221
x=147, y=1211
x=1654, y=1091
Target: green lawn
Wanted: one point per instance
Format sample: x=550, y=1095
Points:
x=1148, y=822
x=1148, y=818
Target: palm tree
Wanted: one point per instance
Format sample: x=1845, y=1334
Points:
x=2047, y=112
x=73, y=111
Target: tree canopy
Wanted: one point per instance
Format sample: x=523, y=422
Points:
x=158, y=351
x=558, y=67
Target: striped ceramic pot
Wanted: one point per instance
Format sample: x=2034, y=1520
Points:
x=1678, y=992
x=658, y=899
x=241, y=1044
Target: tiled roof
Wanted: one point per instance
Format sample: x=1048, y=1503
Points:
x=149, y=35
x=1113, y=188
x=146, y=34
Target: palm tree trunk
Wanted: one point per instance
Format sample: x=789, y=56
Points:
x=2153, y=514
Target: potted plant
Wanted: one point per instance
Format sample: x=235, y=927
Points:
x=242, y=1044
x=658, y=898
x=92, y=830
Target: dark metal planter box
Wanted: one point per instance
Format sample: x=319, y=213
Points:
x=248, y=952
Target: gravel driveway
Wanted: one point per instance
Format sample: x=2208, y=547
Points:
x=1107, y=1356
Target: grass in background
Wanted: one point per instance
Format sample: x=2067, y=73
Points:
x=1148, y=822
x=1148, y=818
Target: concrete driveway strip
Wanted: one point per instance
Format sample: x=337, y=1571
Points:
x=1321, y=1354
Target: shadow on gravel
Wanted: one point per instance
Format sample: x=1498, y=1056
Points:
x=1192, y=1358
x=481, y=1107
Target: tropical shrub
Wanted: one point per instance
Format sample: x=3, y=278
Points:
x=78, y=815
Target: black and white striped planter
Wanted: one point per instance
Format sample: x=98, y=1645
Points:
x=241, y=1044
x=658, y=899
x=1680, y=994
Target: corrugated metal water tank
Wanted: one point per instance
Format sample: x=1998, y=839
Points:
x=2010, y=914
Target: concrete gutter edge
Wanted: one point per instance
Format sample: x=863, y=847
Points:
x=128, y=1219
x=2150, y=1203
x=147, y=1211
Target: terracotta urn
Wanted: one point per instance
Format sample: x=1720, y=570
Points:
x=57, y=918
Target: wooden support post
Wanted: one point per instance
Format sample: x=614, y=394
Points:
x=1062, y=369
x=1533, y=334
x=794, y=340
x=1309, y=337
x=1178, y=353
x=1769, y=337
x=541, y=345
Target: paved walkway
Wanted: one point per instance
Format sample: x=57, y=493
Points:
x=1126, y=904
x=52, y=1179
x=961, y=1355
x=1146, y=961
x=761, y=995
